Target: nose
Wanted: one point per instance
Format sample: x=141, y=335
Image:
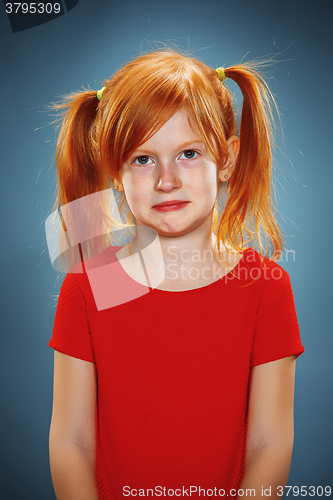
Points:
x=168, y=177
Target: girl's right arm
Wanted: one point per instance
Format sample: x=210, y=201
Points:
x=73, y=429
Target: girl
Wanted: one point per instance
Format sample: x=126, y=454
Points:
x=174, y=355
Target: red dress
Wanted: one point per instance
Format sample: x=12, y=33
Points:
x=173, y=372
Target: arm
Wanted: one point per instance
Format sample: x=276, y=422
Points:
x=270, y=433
x=73, y=432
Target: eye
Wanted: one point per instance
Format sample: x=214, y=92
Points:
x=142, y=160
x=189, y=154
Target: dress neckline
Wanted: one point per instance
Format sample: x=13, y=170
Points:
x=210, y=285
x=226, y=277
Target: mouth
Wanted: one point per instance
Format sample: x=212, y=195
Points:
x=170, y=205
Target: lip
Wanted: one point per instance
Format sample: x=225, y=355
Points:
x=172, y=202
x=171, y=206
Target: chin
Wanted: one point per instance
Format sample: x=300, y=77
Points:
x=174, y=230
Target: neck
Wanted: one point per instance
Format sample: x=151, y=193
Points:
x=173, y=245
x=179, y=255
x=177, y=263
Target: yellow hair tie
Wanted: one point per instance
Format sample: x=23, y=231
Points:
x=221, y=74
x=100, y=93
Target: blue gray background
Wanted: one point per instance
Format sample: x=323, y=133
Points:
x=85, y=46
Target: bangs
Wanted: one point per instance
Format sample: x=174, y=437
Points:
x=146, y=93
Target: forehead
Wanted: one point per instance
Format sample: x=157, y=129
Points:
x=180, y=128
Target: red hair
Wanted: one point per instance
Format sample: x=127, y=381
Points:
x=97, y=136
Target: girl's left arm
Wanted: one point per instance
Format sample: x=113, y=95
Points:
x=270, y=433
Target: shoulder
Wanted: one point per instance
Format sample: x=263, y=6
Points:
x=261, y=267
x=269, y=276
x=275, y=294
x=79, y=285
x=79, y=273
x=71, y=292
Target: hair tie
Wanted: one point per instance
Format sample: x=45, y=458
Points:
x=221, y=74
x=100, y=93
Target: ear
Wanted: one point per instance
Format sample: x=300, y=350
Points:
x=226, y=169
x=118, y=184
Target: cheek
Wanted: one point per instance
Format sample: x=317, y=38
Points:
x=210, y=191
x=132, y=198
x=134, y=181
x=206, y=182
x=135, y=194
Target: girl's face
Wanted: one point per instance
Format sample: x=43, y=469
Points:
x=173, y=167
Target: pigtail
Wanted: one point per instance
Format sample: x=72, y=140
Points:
x=85, y=220
x=249, y=211
x=79, y=172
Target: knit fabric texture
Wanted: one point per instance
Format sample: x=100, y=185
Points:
x=173, y=373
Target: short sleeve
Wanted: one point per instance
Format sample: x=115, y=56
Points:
x=71, y=333
x=277, y=332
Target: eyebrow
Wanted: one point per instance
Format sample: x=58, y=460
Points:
x=141, y=148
